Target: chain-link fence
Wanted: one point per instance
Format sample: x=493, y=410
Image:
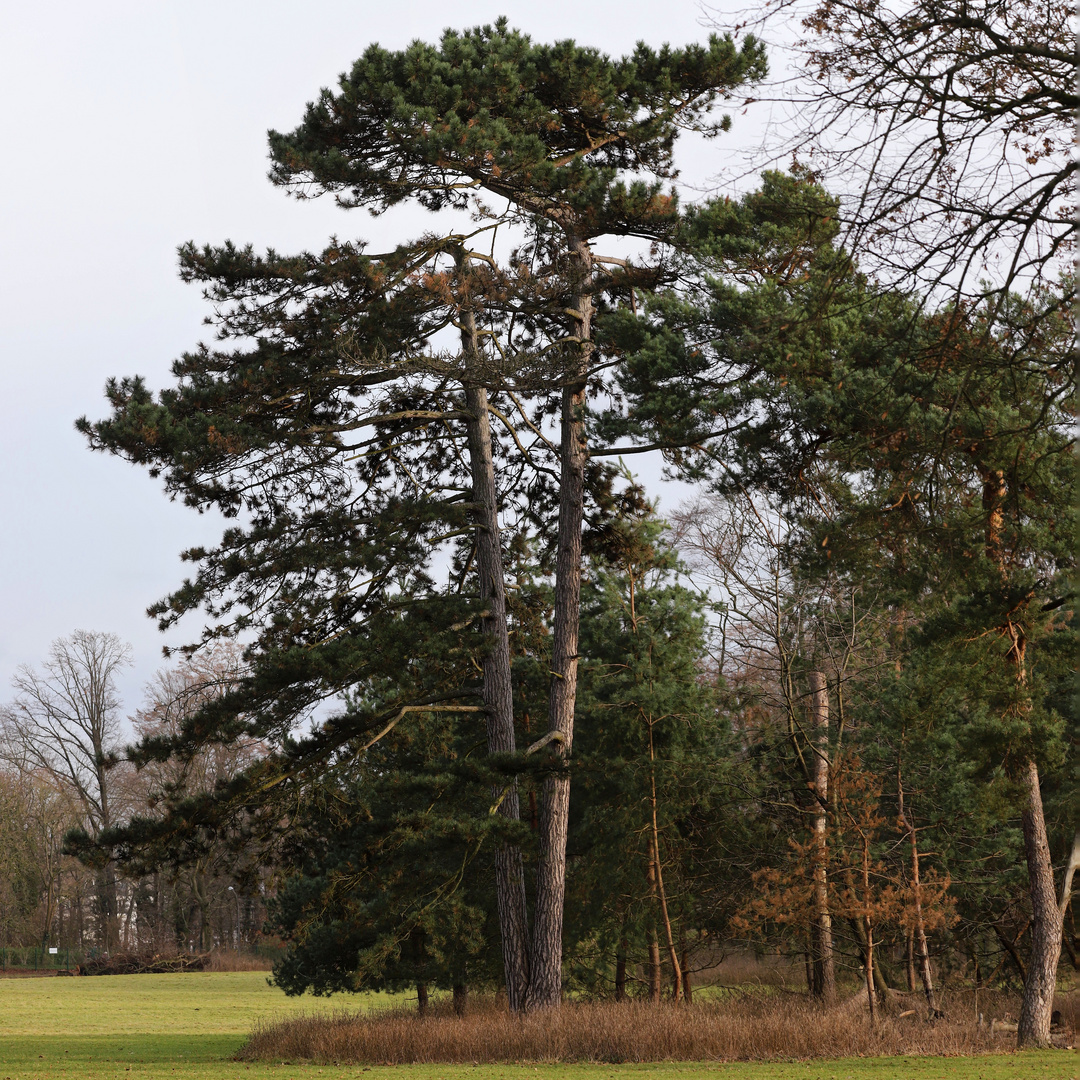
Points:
x=39, y=959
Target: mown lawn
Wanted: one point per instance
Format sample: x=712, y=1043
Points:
x=187, y=1027
x=195, y=1003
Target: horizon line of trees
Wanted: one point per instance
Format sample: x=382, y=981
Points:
x=62, y=771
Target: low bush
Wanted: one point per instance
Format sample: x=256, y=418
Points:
x=230, y=960
x=763, y=1027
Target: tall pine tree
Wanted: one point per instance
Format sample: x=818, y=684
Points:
x=337, y=435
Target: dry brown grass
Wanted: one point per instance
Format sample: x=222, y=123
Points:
x=228, y=960
x=748, y=969
x=754, y=1028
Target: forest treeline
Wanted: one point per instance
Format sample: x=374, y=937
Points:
x=465, y=708
x=61, y=749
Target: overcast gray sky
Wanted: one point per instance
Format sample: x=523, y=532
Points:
x=128, y=128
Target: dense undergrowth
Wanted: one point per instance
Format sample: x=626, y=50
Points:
x=749, y=1027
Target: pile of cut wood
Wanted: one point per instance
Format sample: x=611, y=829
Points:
x=133, y=964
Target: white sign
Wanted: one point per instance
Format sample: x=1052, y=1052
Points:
x=53, y=952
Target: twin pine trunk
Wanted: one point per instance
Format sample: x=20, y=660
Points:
x=533, y=969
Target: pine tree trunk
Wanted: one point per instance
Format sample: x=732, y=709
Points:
x=1011, y=951
x=461, y=998
x=687, y=992
x=421, y=998
x=620, y=971
x=881, y=984
x=654, y=967
x=822, y=937
x=498, y=688
x=1068, y=928
x=653, y=940
x=918, y=935
x=868, y=924
x=1040, y=979
x=545, y=968
x=1033, y=1028
x=925, y=973
x=661, y=892
x=869, y=969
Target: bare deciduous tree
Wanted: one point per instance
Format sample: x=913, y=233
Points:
x=795, y=642
x=209, y=881
x=64, y=722
x=947, y=128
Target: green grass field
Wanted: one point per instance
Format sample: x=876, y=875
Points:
x=187, y=1027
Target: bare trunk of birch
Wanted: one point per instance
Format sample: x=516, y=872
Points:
x=824, y=970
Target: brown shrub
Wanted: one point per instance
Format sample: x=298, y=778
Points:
x=230, y=960
x=753, y=1028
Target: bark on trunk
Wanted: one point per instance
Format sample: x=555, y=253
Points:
x=461, y=998
x=109, y=893
x=925, y=973
x=1011, y=951
x=858, y=928
x=125, y=926
x=421, y=998
x=870, y=968
x=871, y=997
x=107, y=900
x=687, y=991
x=654, y=968
x=620, y=972
x=919, y=932
x=676, y=969
x=824, y=970
x=498, y=688
x=654, y=973
x=1033, y=1028
x=545, y=968
x=47, y=921
x=1068, y=932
